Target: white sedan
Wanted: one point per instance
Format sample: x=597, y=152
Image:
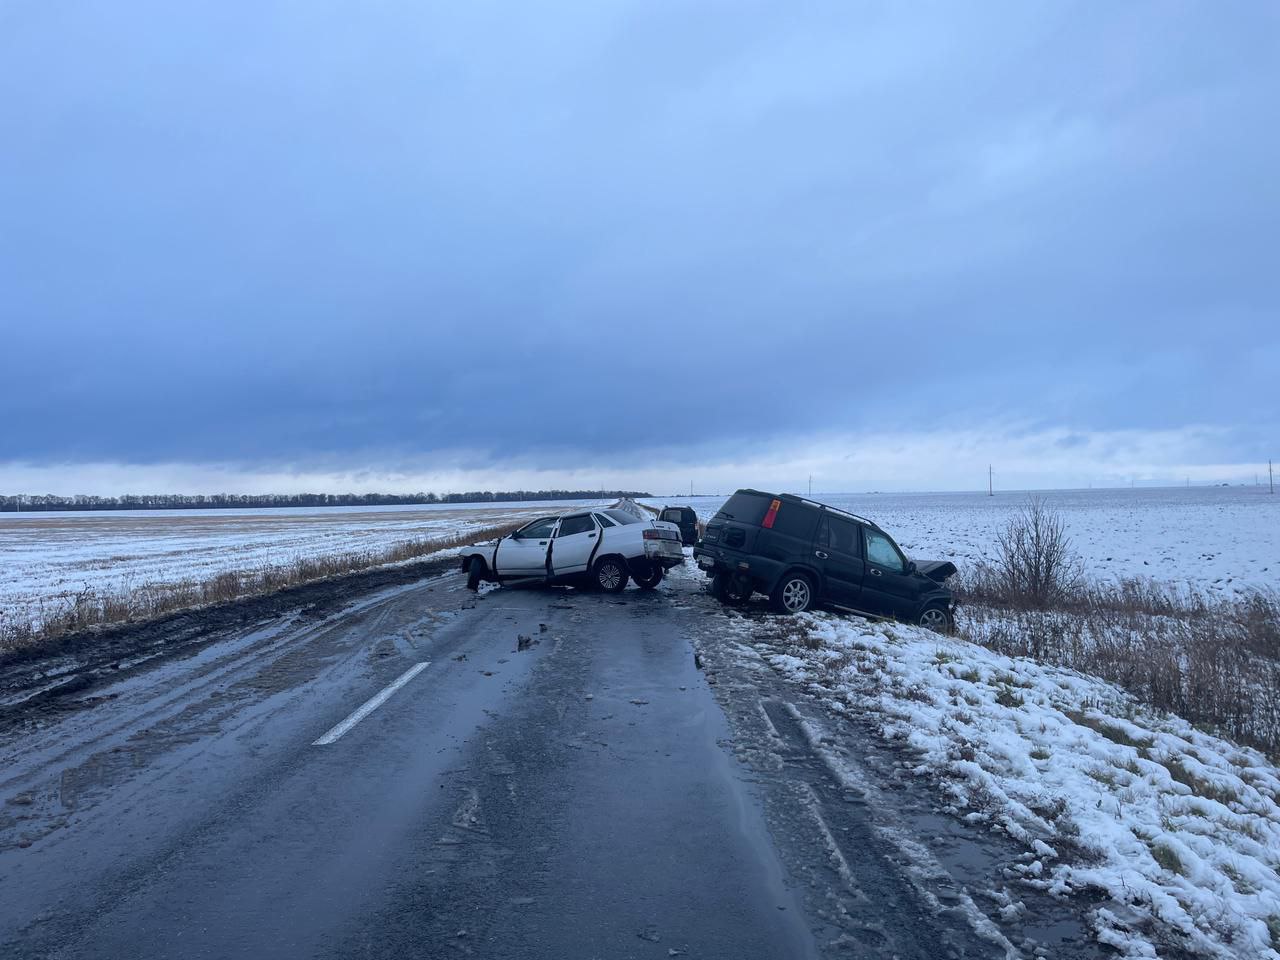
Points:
x=602, y=548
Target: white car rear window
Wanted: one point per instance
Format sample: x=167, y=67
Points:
x=621, y=517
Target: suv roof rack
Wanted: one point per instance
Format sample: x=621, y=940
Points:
x=795, y=498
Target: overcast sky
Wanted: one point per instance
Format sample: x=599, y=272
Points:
x=272, y=246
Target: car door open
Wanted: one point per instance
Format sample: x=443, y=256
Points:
x=524, y=553
x=574, y=543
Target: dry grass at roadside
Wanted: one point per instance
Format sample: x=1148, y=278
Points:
x=91, y=609
x=1215, y=662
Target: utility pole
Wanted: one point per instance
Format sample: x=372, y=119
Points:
x=1271, y=479
x=991, y=487
x=811, y=484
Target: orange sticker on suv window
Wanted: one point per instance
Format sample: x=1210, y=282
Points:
x=771, y=515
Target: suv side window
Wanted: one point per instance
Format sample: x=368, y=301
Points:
x=882, y=552
x=842, y=535
x=794, y=520
x=571, y=525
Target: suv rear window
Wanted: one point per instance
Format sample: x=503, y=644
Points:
x=794, y=520
x=745, y=508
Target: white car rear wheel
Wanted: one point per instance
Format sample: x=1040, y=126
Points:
x=611, y=574
x=651, y=578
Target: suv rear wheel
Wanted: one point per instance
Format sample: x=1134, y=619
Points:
x=725, y=588
x=793, y=594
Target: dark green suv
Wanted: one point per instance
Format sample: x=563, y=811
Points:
x=800, y=553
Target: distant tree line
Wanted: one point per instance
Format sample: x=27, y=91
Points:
x=216, y=501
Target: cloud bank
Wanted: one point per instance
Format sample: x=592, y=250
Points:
x=448, y=245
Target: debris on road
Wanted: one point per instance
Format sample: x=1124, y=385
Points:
x=639, y=703
x=523, y=641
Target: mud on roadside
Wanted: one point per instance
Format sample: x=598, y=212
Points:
x=45, y=680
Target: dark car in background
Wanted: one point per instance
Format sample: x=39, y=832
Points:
x=685, y=519
x=800, y=553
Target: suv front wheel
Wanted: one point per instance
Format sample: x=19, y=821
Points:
x=793, y=594
x=936, y=617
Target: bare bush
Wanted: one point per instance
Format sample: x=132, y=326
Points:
x=90, y=609
x=1036, y=566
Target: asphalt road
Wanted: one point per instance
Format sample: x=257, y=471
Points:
x=400, y=779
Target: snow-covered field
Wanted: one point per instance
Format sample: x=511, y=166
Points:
x=1172, y=824
x=50, y=557
x=1221, y=539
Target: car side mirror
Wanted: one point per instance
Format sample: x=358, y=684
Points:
x=911, y=566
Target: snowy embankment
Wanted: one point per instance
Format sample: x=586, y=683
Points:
x=1180, y=830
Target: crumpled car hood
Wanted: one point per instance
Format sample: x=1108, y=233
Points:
x=937, y=570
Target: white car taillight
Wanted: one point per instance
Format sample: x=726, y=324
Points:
x=657, y=533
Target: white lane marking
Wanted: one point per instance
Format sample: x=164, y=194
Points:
x=372, y=704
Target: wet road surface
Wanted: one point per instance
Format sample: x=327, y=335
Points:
x=401, y=779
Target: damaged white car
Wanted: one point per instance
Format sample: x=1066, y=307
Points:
x=600, y=548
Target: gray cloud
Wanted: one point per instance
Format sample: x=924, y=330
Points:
x=261, y=234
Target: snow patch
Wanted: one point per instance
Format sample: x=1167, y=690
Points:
x=1175, y=825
